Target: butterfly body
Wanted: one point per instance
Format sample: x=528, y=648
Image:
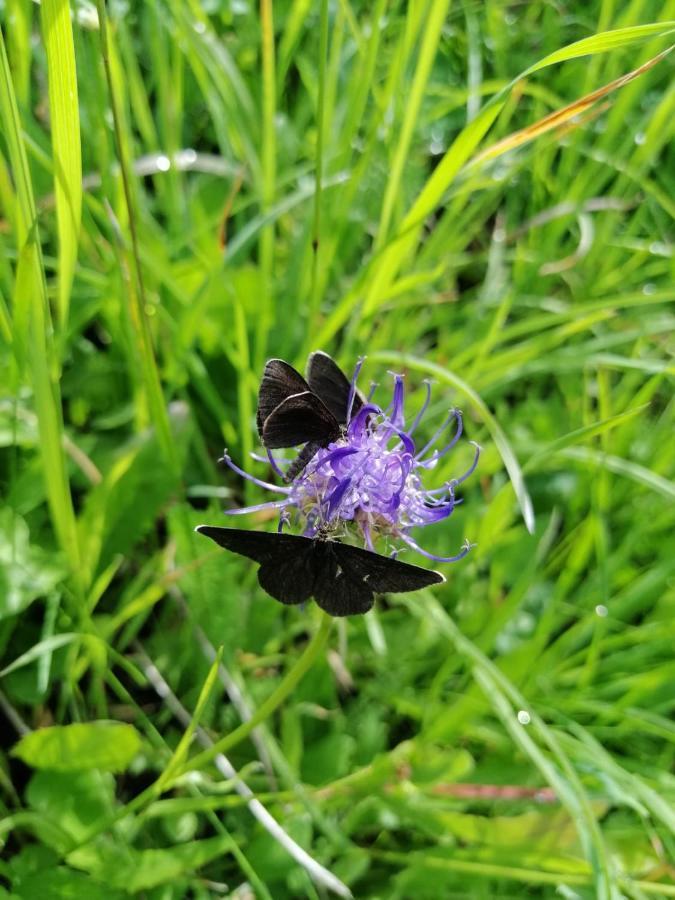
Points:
x=342, y=579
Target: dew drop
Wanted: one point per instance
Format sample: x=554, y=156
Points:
x=163, y=163
x=658, y=248
x=601, y=610
x=524, y=717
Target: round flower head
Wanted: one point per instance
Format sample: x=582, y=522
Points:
x=370, y=478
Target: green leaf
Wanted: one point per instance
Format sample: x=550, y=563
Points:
x=602, y=43
x=48, y=645
x=123, y=507
x=582, y=434
x=623, y=467
x=25, y=571
x=61, y=883
x=32, y=326
x=430, y=196
x=65, y=126
x=138, y=870
x=431, y=35
x=71, y=801
x=68, y=748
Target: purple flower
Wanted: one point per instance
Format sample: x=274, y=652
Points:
x=371, y=478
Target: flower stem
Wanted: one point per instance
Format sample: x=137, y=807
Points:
x=276, y=698
x=273, y=702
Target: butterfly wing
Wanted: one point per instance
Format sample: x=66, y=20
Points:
x=330, y=383
x=287, y=570
x=335, y=590
x=290, y=577
x=279, y=381
x=382, y=574
x=298, y=419
x=260, y=546
x=341, y=578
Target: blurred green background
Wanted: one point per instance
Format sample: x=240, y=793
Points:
x=189, y=188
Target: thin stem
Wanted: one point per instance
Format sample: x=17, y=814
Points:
x=316, y=226
x=316, y=871
x=138, y=297
x=273, y=702
x=276, y=698
x=268, y=179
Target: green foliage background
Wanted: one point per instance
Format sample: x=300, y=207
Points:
x=188, y=188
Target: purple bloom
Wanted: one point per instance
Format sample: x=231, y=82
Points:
x=370, y=478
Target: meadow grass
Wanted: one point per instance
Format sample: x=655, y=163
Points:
x=476, y=193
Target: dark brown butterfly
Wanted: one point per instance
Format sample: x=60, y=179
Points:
x=342, y=579
x=292, y=411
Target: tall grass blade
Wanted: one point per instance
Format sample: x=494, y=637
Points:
x=146, y=352
x=33, y=329
x=603, y=43
x=433, y=27
x=65, y=127
x=561, y=116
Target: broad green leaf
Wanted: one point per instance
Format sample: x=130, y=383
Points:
x=73, y=801
x=62, y=883
x=120, y=510
x=26, y=572
x=139, y=870
x=109, y=746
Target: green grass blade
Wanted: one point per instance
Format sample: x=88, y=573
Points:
x=625, y=467
x=268, y=178
x=558, y=772
x=583, y=434
x=602, y=43
x=181, y=751
x=407, y=235
x=65, y=127
x=33, y=331
x=152, y=383
x=433, y=27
